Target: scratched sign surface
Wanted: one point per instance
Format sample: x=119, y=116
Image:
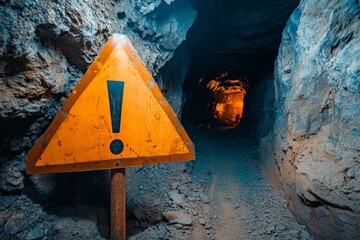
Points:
x=115, y=117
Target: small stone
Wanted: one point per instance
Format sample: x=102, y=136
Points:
x=178, y=217
x=175, y=197
x=202, y=221
x=169, y=1
x=147, y=9
x=178, y=226
x=174, y=185
x=205, y=199
x=191, y=198
x=61, y=224
x=181, y=167
x=186, y=228
x=270, y=229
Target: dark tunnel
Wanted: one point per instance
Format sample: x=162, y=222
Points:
x=237, y=49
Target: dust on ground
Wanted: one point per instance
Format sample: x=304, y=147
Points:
x=223, y=194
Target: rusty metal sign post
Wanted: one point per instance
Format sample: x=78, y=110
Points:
x=118, y=205
x=116, y=117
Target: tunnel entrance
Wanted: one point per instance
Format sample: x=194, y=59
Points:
x=226, y=101
x=223, y=90
x=219, y=100
x=229, y=90
x=232, y=48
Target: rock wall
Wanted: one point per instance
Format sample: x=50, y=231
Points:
x=259, y=116
x=317, y=120
x=45, y=47
x=158, y=28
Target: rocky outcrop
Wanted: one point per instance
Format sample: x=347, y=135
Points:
x=49, y=45
x=158, y=28
x=317, y=127
x=45, y=47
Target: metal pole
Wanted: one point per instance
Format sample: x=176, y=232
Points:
x=118, y=213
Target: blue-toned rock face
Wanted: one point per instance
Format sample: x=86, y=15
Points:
x=317, y=123
x=45, y=47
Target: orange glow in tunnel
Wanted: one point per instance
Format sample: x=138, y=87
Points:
x=226, y=107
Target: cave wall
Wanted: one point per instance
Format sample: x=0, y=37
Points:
x=259, y=112
x=45, y=47
x=317, y=113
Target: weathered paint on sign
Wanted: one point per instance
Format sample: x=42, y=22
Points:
x=115, y=117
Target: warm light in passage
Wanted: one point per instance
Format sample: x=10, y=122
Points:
x=227, y=101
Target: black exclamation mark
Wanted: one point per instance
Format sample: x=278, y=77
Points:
x=115, y=90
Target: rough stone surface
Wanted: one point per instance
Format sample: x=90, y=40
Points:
x=259, y=118
x=158, y=28
x=175, y=197
x=317, y=127
x=45, y=47
x=40, y=61
x=178, y=217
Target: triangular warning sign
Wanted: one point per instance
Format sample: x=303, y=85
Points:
x=115, y=117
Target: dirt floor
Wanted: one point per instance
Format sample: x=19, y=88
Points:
x=223, y=194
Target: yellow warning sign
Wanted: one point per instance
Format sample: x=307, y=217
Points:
x=115, y=117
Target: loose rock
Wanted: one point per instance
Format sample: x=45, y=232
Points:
x=178, y=217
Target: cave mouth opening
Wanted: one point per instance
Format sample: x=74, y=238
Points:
x=222, y=92
x=232, y=43
x=221, y=99
x=225, y=101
